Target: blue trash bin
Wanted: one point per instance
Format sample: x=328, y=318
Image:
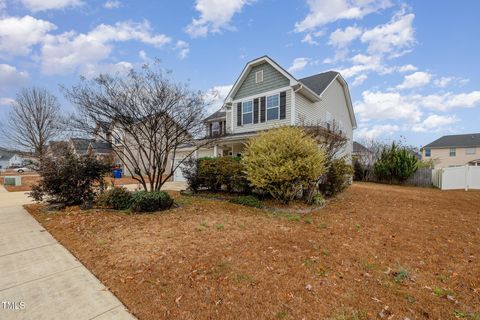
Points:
x=117, y=173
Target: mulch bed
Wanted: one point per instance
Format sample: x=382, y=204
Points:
x=377, y=251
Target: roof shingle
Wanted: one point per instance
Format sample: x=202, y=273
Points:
x=458, y=140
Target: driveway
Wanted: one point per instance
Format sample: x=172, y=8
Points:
x=39, y=278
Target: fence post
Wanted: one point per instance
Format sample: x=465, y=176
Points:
x=466, y=177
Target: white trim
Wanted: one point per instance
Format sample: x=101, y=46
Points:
x=243, y=123
x=259, y=72
x=292, y=108
x=266, y=93
x=277, y=106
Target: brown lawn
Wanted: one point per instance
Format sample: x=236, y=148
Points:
x=414, y=250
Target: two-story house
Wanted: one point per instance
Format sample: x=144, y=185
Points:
x=265, y=96
x=453, y=150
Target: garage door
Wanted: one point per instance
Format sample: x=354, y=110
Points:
x=178, y=175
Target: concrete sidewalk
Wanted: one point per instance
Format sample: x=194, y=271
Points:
x=39, y=278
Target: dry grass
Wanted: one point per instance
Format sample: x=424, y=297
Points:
x=415, y=250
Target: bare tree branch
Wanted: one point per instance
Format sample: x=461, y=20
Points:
x=149, y=117
x=34, y=120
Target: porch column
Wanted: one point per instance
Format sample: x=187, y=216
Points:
x=215, y=151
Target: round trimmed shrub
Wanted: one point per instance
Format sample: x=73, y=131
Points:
x=283, y=162
x=144, y=201
x=249, y=201
x=116, y=198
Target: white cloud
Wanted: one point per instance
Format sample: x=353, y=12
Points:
x=112, y=4
x=6, y=102
x=448, y=101
x=323, y=12
x=359, y=80
x=434, y=123
x=310, y=37
x=42, y=5
x=183, y=49
x=376, y=131
x=407, y=68
x=395, y=37
x=387, y=105
x=363, y=64
x=443, y=81
x=215, y=15
x=215, y=97
x=11, y=77
x=91, y=70
x=18, y=35
x=341, y=38
x=298, y=64
x=414, y=80
x=68, y=51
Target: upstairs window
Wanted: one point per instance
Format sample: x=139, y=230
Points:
x=453, y=152
x=471, y=150
x=428, y=152
x=247, y=112
x=273, y=104
x=215, y=128
x=259, y=76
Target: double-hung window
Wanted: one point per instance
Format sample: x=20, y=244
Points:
x=273, y=104
x=453, y=152
x=428, y=152
x=470, y=150
x=247, y=112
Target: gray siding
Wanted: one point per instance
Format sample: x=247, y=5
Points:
x=272, y=79
x=261, y=125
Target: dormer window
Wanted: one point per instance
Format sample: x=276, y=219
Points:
x=259, y=76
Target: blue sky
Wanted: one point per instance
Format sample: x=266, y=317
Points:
x=412, y=66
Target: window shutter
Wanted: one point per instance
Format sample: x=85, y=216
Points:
x=210, y=133
x=239, y=114
x=255, y=110
x=262, y=109
x=220, y=127
x=283, y=105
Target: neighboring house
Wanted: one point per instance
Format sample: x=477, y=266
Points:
x=10, y=158
x=362, y=153
x=266, y=96
x=81, y=147
x=453, y=150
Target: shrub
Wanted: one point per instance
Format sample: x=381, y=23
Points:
x=318, y=199
x=395, y=164
x=337, y=178
x=115, y=198
x=215, y=174
x=249, y=201
x=283, y=162
x=144, y=201
x=69, y=179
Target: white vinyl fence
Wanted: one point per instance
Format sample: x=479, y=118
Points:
x=466, y=177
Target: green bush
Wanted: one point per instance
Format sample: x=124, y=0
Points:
x=395, y=164
x=283, y=162
x=144, y=201
x=69, y=179
x=116, y=198
x=318, y=200
x=216, y=174
x=249, y=201
x=337, y=178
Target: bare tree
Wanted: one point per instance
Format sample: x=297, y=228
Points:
x=34, y=120
x=330, y=136
x=147, y=116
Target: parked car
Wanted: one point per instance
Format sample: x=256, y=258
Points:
x=22, y=169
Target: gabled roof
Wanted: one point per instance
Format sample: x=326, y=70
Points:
x=220, y=114
x=359, y=148
x=319, y=82
x=311, y=87
x=6, y=154
x=458, y=140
